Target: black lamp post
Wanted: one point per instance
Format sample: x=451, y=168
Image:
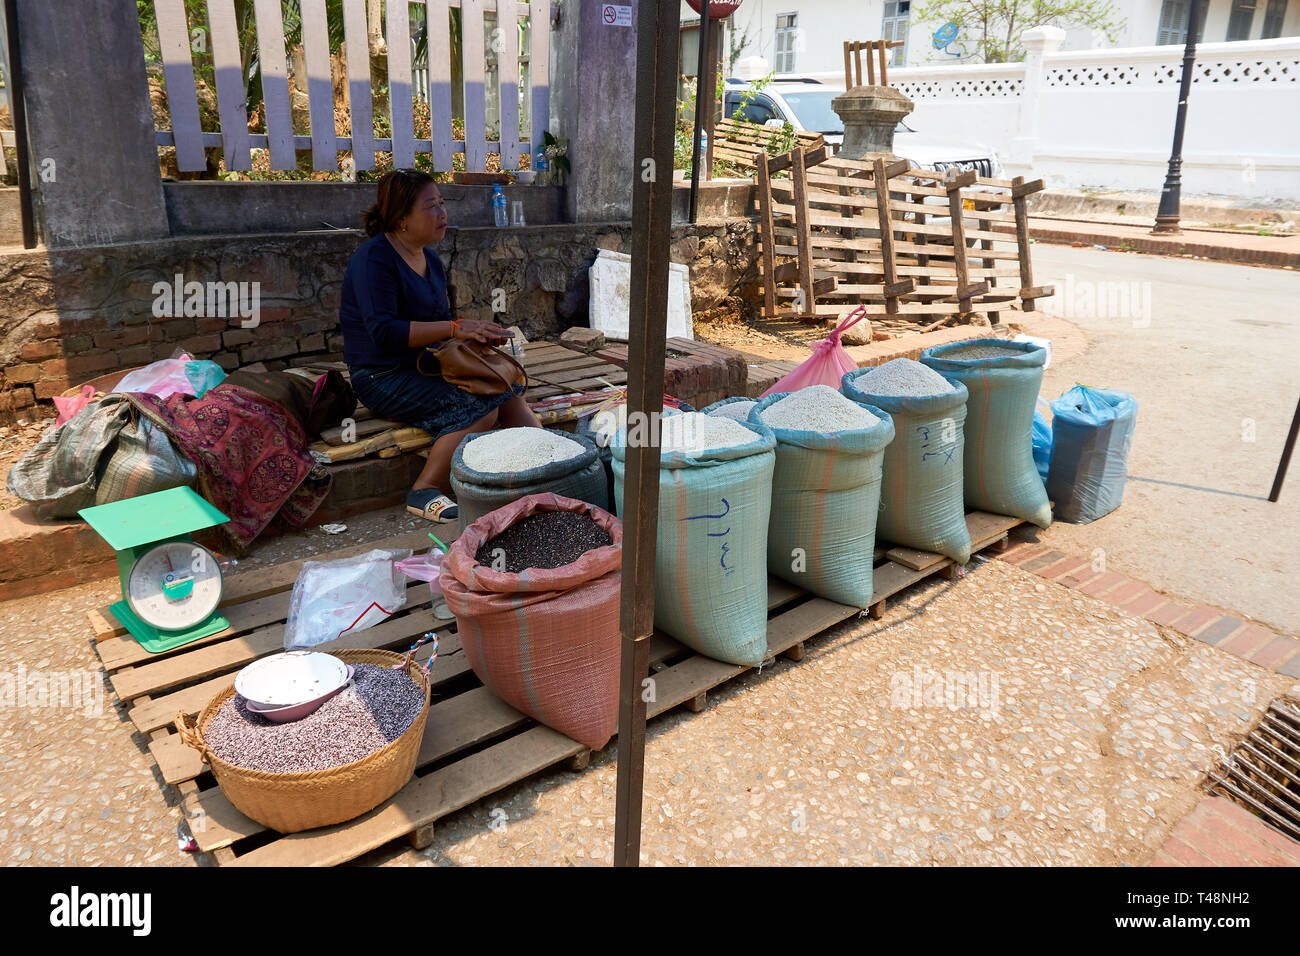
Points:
x=1167, y=216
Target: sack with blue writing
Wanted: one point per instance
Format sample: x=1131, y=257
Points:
x=825, y=498
x=711, y=557
x=921, y=481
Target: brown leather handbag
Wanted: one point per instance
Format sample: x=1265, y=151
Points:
x=474, y=367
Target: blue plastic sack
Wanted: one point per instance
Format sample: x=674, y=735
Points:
x=1000, y=476
x=1092, y=429
x=825, y=499
x=1042, y=442
x=711, y=554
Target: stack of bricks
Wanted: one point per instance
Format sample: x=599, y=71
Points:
x=694, y=372
x=64, y=352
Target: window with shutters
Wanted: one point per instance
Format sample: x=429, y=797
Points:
x=1240, y=19
x=1274, y=14
x=1173, y=21
x=894, y=26
x=787, y=29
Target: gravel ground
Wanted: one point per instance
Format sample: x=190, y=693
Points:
x=1089, y=734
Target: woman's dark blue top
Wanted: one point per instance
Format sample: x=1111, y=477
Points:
x=382, y=296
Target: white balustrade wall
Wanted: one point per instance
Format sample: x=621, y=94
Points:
x=1105, y=118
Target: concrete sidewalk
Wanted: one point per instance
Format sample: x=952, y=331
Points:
x=1221, y=245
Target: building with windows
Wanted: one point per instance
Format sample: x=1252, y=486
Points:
x=807, y=36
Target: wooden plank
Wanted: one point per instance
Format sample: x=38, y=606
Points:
x=1022, y=238
x=320, y=87
x=178, y=74
x=231, y=94
x=400, y=97
x=249, y=585
x=984, y=526
x=334, y=436
x=1020, y=189
x=439, y=60
x=360, y=104
x=802, y=217
x=891, y=577
x=275, y=83
x=215, y=658
x=539, y=66
x=471, y=38
x=508, y=76
x=914, y=559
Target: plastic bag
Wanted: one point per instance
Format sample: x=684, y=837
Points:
x=333, y=598
x=1092, y=429
x=167, y=377
x=1042, y=440
x=68, y=407
x=828, y=363
x=424, y=567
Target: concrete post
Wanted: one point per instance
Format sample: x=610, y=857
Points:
x=1038, y=42
x=870, y=115
x=593, y=97
x=92, y=132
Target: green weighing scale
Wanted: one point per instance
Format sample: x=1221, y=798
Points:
x=171, y=587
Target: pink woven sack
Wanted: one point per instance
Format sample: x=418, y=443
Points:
x=544, y=641
x=827, y=364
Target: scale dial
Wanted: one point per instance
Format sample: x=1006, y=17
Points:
x=174, y=585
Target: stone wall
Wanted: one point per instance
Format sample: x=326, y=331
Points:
x=69, y=315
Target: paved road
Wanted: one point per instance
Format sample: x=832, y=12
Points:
x=1210, y=350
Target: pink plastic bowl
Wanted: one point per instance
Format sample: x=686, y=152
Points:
x=284, y=715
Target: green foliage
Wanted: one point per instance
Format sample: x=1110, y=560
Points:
x=990, y=30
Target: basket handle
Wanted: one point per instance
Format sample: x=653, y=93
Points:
x=188, y=728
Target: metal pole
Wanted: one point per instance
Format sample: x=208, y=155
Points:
x=700, y=99
x=657, y=39
x=1168, y=214
x=1287, y=449
x=18, y=110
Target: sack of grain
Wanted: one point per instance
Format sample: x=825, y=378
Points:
x=516, y=462
x=602, y=426
x=546, y=641
x=737, y=408
x=825, y=493
x=921, y=477
x=711, y=557
x=1002, y=378
x=1092, y=430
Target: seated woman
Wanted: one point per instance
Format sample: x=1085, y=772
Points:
x=394, y=304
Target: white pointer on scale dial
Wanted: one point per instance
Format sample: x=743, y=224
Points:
x=175, y=585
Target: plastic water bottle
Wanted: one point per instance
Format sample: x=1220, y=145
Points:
x=704, y=142
x=499, y=207
x=542, y=165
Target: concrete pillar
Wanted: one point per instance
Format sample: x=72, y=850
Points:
x=593, y=95
x=92, y=132
x=870, y=115
x=1038, y=42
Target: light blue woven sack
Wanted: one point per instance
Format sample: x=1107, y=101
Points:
x=1000, y=473
x=921, y=478
x=825, y=498
x=711, y=554
x=1093, y=429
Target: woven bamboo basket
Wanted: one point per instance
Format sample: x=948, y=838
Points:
x=289, y=802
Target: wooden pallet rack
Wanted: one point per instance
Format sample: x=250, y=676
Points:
x=474, y=744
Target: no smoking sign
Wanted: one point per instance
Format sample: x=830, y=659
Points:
x=615, y=15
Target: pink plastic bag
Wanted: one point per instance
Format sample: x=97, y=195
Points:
x=68, y=407
x=424, y=567
x=827, y=364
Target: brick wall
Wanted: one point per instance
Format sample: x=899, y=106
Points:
x=69, y=316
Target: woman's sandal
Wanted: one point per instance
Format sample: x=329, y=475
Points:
x=432, y=505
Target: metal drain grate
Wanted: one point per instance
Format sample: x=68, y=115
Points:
x=1263, y=771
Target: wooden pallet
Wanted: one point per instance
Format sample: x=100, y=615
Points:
x=474, y=743
x=564, y=371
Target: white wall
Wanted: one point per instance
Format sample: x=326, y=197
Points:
x=1104, y=118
